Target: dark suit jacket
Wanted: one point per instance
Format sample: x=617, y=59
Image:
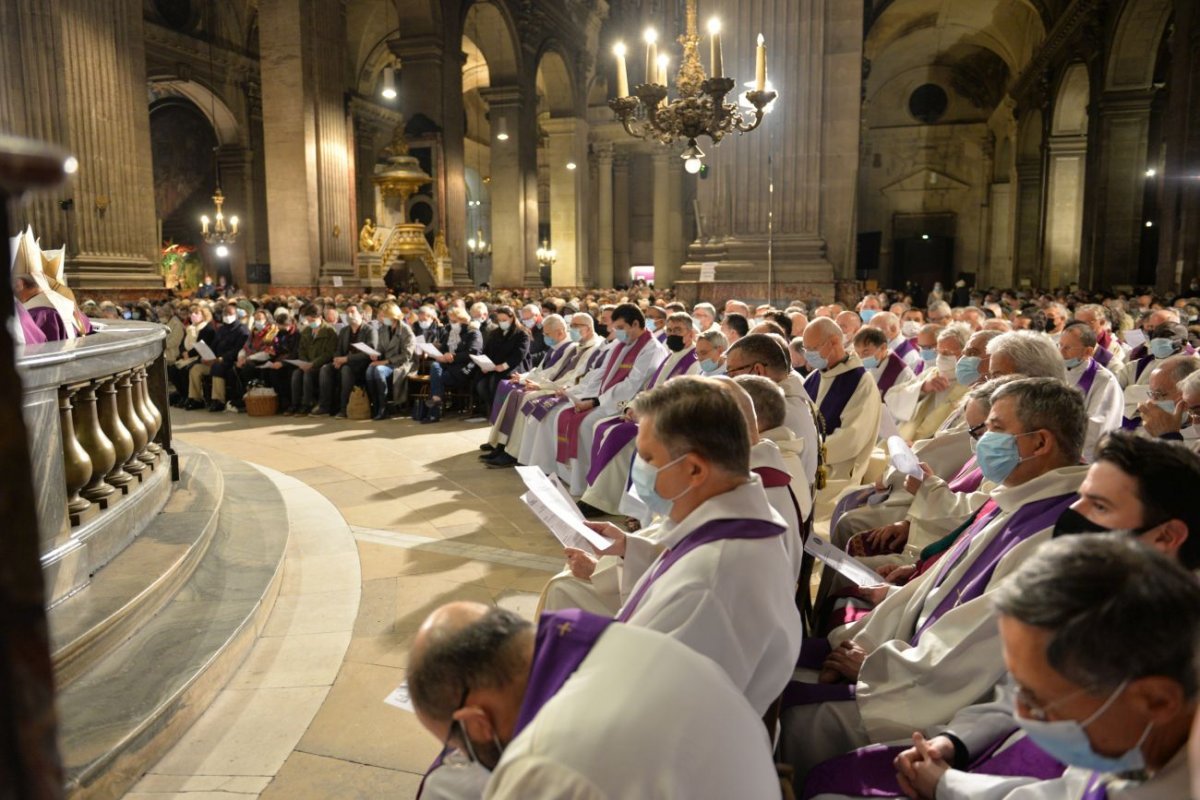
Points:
x=228, y=341
x=511, y=348
x=469, y=343
x=364, y=335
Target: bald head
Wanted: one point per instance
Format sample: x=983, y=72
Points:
x=849, y=322
x=887, y=322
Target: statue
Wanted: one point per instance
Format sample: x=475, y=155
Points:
x=367, y=243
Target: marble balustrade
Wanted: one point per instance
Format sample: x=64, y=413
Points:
x=99, y=443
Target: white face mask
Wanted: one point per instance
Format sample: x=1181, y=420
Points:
x=354, y=319
x=229, y=319
x=910, y=328
x=946, y=365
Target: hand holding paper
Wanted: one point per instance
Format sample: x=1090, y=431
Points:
x=559, y=515
x=846, y=565
x=206, y=353
x=425, y=348
x=903, y=458
x=366, y=348
x=485, y=364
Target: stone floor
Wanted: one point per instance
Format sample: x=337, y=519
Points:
x=405, y=518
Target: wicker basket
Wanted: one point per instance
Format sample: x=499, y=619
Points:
x=262, y=405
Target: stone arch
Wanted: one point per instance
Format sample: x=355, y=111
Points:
x=488, y=25
x=556, y=84
x=1070, y=117
x=419, y=17
x=1135, y=47
x=214, y=109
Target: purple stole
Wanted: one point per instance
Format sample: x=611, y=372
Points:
x=868, y=771
x=836, y=398
x=1025, y=522
x=49, y=323
x=849, y=502
x=570, y=420
x=506, y=388
x=968, y=478
x=1095, y=789
x=612, y=435
x=437, y=762
x=1103, y=355
x=778, y=479
x=919, y=368
x=29, y=329
x=1089, y=377
x=564, y=639
x=895, y=365
x=540, y=407
x=1142, y=363
x=709, y=532
x=904, y=348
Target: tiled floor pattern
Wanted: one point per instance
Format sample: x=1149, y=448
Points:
x=403, y=519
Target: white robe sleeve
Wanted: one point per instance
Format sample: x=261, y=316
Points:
x=537, y=777
x=959, y=785
x=860, y=425
x=643, y=367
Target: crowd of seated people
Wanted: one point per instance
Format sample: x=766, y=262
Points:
x=1028, y=627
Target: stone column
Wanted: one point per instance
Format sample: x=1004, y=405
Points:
x=236, y=173
x=1028, y=251
x=514, y=172
x=568, y=198
x=306, y=138
x=621, y=243
x=1123, y=134
x=676, y=244
x=1067, y=156
x=431, y=84
x=1179, y=230
x=665, y=273
x=604, y=213
x=75, y=75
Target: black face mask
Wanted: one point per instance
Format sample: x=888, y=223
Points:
x=675, y=343
x=601, y=330
x=1072, y=522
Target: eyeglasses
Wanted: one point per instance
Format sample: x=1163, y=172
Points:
x=735, y=371
x=462, y=730
x=977, y=431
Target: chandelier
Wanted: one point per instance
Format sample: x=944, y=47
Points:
x=215, y=230
x=700, y=108
x=546, y=255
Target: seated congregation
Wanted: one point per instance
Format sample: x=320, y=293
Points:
x=1029, y=629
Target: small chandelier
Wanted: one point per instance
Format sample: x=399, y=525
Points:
x=215, y=230
x=546, y=255
x=700, y=109
x=477, y=246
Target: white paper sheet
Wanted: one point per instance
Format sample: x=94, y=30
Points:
x=338, y=282
x=903, y=458
x=485, y=363
x=259, y=357
x=425, y=348
x=1134, y=337
x=366, y=348
x=295, y=362
x=902, y=400
x=559, y=513
x=399, y=698
x=206, y=353
x=845, y=565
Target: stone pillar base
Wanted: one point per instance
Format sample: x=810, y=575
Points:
x=798, y=265
x=781, y=293
x=103, y=272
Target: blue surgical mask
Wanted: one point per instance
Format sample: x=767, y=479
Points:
x=1161, y=348
x=966, y=371
x=549, y=340
x=1067, y=741
x=997, y=455
x=622, y=335
x=708, y=365
x=651, y=324
x=505, y=325
x=1167, y=406
x=645, y=478
x=1072, y=363
x=866, y=314
x=815, y=359
x=929, y=354
x=576, y=334
x=871, y=362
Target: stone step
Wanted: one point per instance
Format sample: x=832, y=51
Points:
x=134, y=586
x=122, y=714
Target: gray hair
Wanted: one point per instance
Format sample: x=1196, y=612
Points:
x=715, y=338
x=1087, y=336
x=585, y=317
x=1191, y=385
x=770, y=407
x=939, y=306
x=1049, y=404
x=485, y=654
x=554, y=321
x=956, y=331
x=709, y=307
x=689, y=414
x=984, y=392
x=1116, y=610
x=1179, y=367
x=1034, y=354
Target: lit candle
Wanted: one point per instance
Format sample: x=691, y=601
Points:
x=234, y=222
x=760, y=66
x=663, y=62
x=204, y=224
x=651, y=37
x=714, y=33
x=622, y=73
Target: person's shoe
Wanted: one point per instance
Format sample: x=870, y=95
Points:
x=192, y=405
x=289, y=411
x=302, y=410
x=340, y=415
x=487, y=447
x=492, y=452
x=175, y=399
x=500, y=462
x=428, y=420
x=589, y=510
x=232, y=408
x=318, y=412
x=216, y=406
x=380, y=417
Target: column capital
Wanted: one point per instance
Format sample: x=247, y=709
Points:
x=562, y=126
x=1136, y=101
x=603, y=151
x=415, y=49
x=502, y=96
